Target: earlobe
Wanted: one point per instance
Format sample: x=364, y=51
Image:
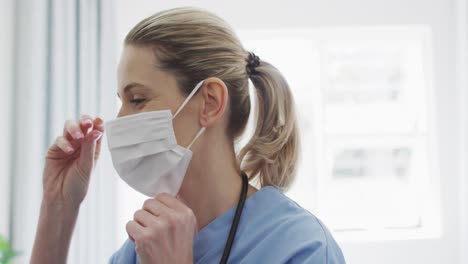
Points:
x=215, y=97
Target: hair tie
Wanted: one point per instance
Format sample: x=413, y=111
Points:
x=253, y=61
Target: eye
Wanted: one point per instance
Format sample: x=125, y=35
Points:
x=137, y=101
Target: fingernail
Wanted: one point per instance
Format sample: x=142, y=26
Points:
x=78, y=135
x=98, y=121
x=69, y=149
x=87, y=122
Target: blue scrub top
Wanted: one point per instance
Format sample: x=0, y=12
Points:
x=272, y=229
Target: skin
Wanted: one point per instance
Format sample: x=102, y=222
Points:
x=164, y=228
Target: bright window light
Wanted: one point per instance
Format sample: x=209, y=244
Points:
x=368, y=168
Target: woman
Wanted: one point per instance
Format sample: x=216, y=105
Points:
x=183, y=82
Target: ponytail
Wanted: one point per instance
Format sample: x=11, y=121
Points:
x=272, y=153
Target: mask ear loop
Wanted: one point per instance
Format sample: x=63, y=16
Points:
x=197, y=87
x=188, y=98
x=196, y=137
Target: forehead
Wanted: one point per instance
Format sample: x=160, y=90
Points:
x=139, y=65
x=136, y=61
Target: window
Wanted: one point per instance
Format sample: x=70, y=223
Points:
x=363, y=97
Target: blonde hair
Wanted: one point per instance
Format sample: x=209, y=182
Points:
x=194, y=44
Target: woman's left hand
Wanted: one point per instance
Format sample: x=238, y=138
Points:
x=163, y=231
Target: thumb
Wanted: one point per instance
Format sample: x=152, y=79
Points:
x=88, y=150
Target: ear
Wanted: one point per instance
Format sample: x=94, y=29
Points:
x=215, y=99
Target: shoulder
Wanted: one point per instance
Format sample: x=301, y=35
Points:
x=295, y=234
x=126, y=254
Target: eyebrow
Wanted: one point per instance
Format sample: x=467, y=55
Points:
x=130, y=86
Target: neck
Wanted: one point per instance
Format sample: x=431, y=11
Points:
x=213, y=183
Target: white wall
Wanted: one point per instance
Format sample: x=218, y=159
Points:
x=462, y=83
x=6, y=81
x=439, y=15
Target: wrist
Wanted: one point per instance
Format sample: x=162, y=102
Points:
x=58, y=210
x=57, y=221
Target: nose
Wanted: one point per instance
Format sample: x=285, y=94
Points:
x=121, y=112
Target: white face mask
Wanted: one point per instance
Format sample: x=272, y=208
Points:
x=145, y=153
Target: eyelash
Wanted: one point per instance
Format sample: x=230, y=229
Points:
x=137, y=101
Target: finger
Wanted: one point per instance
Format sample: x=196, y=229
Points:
x=155, y=207
x=134, y=230
x=86, y=123
x=71, y=130
x=98, y=124
x=171, y=202
x=64, y=145
x=88, y=149
x=144, y=218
